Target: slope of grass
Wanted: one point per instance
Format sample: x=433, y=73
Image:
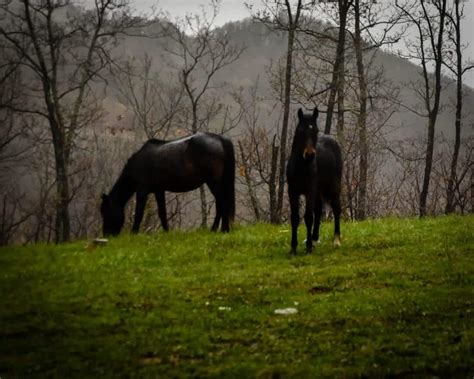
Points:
x=395, y=299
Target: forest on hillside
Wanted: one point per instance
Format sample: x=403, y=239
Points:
x=81, y=89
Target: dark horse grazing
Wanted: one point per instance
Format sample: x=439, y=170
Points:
x=314, y=170
x=177, y=166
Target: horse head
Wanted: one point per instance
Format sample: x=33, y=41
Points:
x=306, y=134
x=113, y=216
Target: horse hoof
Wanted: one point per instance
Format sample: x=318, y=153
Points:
x=309, y=250
x=293, y=251
x=337, y=241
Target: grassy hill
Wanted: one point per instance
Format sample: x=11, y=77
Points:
x=395, y=299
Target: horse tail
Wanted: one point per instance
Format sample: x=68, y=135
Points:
x=228, y=179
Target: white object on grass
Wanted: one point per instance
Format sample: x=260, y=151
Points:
x=286, y=311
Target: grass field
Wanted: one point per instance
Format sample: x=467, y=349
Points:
x=397, y=299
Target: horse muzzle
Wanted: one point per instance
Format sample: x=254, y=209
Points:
x=309, y=153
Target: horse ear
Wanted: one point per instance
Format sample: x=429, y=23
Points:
x=300, y=114
x=315, y=114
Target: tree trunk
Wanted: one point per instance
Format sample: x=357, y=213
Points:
x=450, y=206
x=249, y=184
x=286, y=116
x=273, y=183
x=63, y=230
x=341, y=84
x=62, y=223
x=472, y=190
x=428, y=165
x=433, y=112
x=361, y=119
x=338, y=70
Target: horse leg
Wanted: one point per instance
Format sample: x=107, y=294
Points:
x=308, y=220
x=139, y=210
x=318, y=210
x=295, y=220
x=161, y=201
x=219, y=210
x=222, y=212
x=336, y=210
x=219, y=216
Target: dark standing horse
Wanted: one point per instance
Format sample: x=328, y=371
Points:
x=314, y=170
x=177, y=166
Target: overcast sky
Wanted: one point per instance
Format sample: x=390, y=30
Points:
x=233, y=10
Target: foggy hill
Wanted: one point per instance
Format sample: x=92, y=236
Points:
x=263, y=46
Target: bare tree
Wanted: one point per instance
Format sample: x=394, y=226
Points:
x=282, y=15
x=362, y=114
x=153, y=101
x=339, y=11
x=258, y=155
x=14, y=127
x=201, y=51
x=14, y=144
x=367, y=16
x=338, y=78
x=428, y=21
x=62, y=49
x=455, y=64
x=460, y=196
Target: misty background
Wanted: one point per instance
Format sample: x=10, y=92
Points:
x=135, y=88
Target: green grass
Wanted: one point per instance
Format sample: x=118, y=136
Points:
x=395, y=300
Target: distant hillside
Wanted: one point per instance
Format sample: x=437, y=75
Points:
x=262, y=47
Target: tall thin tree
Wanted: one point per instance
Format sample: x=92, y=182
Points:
x=201, y=51
x=338, y=75
x=429, y=22
x=282, y=15
x=62, y=49
x=458, y=68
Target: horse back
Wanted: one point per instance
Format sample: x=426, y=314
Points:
x=197, y=146
x=180, y=165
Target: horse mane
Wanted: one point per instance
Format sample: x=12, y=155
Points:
x=122, y=185
x=151, y=141
x=155, y=141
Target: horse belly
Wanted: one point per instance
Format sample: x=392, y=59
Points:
x=176, y=182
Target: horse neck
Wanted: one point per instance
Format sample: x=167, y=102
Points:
x=296, y=148
x=122, y=190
